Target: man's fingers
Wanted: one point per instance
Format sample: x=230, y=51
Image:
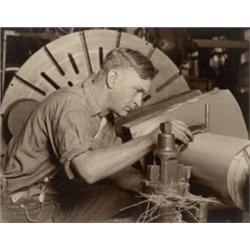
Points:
x=182, y=127
x=180, y=131
x=181, y=135
x=177, y=122
x=187, y=131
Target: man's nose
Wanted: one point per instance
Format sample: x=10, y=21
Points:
x=138, y=100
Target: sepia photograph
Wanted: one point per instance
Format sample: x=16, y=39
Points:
x=125, y=125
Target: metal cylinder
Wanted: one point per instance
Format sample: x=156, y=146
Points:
x=207, y=109
x=218, y=162
x=167, y=154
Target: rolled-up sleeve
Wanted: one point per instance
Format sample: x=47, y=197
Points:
x=72, y=132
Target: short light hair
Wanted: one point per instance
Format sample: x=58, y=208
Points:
x=124, y=57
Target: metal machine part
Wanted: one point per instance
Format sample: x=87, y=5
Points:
x=166, y=174
x=218, y=163
x=212, y=154
x=170, y=179
x=167, y=154
x=191, y=111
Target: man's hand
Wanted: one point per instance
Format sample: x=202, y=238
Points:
x=179, y=129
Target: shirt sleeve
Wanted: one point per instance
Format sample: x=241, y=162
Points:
x=72, y=132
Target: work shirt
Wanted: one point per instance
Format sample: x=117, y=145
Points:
x=64, y=125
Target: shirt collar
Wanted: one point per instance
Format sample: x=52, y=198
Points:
x=92, y=96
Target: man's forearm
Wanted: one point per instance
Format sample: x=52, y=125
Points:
x=101, y=163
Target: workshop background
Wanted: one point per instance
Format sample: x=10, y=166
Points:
x=207, y=57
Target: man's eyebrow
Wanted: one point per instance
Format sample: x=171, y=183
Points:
x=141, y=89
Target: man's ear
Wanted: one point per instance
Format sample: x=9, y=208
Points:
x=111, y=79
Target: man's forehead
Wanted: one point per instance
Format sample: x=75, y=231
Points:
x=131, y=72
x=132, y=76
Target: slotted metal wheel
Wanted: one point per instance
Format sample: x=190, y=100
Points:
x=72, y=58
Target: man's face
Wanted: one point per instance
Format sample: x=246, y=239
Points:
x=126, y=90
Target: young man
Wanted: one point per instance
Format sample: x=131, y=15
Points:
x=57, y=166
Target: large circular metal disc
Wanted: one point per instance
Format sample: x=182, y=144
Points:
x=71, y=58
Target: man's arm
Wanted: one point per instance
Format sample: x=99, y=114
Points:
x=98, y=164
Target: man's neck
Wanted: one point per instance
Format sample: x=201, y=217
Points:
x=102, y=95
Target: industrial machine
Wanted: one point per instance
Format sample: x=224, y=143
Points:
x=168, y=182
x=212, y=159
x=168, y=176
